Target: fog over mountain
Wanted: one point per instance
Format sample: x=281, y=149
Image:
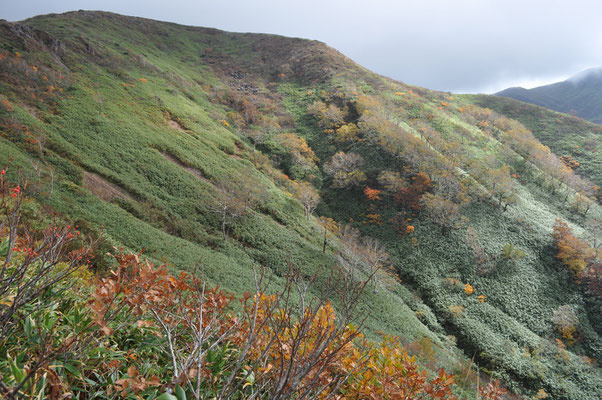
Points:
x=584, y=76
x=580, y=95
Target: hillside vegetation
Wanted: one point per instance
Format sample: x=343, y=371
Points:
x=225, y=153
x=566, y=135
x=578, y=95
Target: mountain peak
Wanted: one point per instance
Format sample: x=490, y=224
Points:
x=590, y=73
x=580, y=95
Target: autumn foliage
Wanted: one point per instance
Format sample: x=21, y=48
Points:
x=276, y=350
x=574, y=253
x=391, y=373
x=372, y=194
x=411, y=196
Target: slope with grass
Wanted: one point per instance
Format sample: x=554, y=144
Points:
x=565, y=134
x=147, y=130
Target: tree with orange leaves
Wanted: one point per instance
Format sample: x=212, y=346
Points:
x=372, y=194
x=391, y=373
x=576, y=254
x=411, y=196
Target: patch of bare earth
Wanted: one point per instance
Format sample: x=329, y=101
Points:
x=102, y=188
x=33, y=111
x=238, y=149
x=190, y=169
x=175, y=125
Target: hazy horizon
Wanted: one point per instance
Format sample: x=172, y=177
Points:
x=466, y=47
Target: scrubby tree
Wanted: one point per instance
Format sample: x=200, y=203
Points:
x=566, y=322
x=454, y=152
x=444, y=212
x=372, y=194
x=450, y=186
x=499, y=181
x=411, y=196
x=502, y=186
x=331, y=229
x=594, y=230
x=308, y=196
x=570, y=162
x=233, y=198
x=301, y=155
x=377, y=129
x=347, y=133
x=581, y=203
x=328, y=116
x=511, y=252
x=365, y=103
x=344, y=168
x=366, y=255
x=481, y=258
x=391, y=181
x=572, y=252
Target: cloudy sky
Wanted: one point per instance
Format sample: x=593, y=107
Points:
x=453, y=45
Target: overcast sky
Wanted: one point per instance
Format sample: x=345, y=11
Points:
x=453, y=45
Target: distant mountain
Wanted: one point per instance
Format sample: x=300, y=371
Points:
x=580, y=95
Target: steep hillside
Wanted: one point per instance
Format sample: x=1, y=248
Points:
x=580, y=95
x=566, y=135
x=148, y=131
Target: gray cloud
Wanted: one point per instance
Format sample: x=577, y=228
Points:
x=459, y=46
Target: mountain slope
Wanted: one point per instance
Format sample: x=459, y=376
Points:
x=565, y=134
x=580, y=95
x=143, y=127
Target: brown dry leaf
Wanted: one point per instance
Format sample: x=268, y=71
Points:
x=132, y=371
x=106, y=330
x=144, y=323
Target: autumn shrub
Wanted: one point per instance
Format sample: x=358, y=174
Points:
x=410, y=197
x=40, y=326
x=574, y=253
x=200, y=345
x=492, y=391
x=390, y=373
x=566, y=322
x=512, y=253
